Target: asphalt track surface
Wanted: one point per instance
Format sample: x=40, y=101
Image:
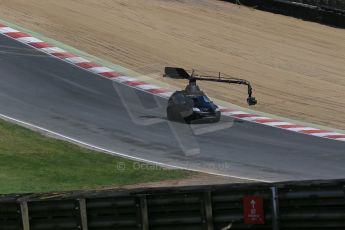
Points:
x=47, y=92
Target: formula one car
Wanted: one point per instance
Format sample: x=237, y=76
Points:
x=192, y=104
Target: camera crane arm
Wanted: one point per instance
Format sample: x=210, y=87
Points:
x=179, y=73
x=230, y=81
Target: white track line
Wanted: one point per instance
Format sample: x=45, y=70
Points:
x=5, y=117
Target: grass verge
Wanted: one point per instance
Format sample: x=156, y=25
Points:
x=31, y=162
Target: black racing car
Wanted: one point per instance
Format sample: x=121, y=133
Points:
x=186, y=106
x=192, y=104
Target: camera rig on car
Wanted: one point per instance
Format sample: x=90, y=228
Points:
x=180, y=73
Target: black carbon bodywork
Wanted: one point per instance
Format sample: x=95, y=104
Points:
x=192, y=106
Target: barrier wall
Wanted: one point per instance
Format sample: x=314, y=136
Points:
x=330, y=12
x=288, y=206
